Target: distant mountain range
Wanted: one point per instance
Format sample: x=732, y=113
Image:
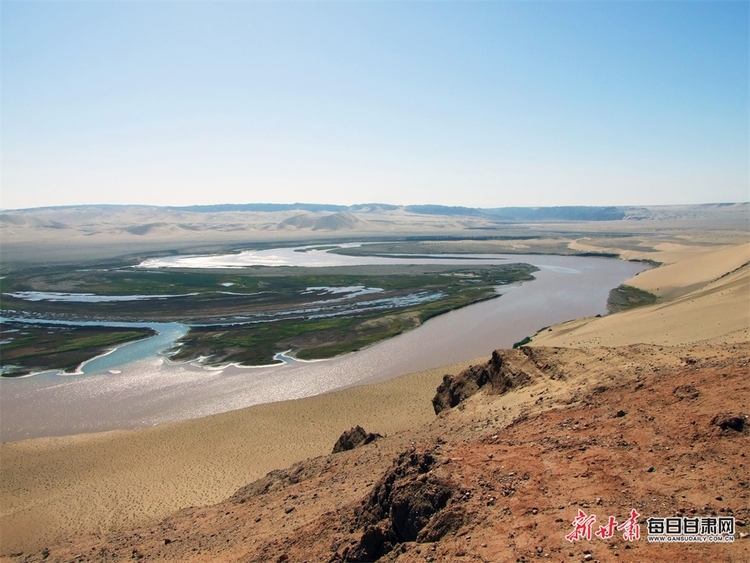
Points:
x=84, y=232
x=563, y=213
x=525, y=214
x=495, y=214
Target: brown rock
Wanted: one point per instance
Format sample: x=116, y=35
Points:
x=402, y=504
x=500, y=374
x=353, y=439
x=729, y=421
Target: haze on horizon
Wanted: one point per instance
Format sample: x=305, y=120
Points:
x=489, y=104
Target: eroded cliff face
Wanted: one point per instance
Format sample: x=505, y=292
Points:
x=539, y=435
x=505, y=371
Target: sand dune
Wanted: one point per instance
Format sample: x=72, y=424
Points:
x=328, y=222
x=686, y=268
x=719, y=310
x=65, y=235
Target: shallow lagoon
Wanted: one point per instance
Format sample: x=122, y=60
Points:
x=151, y=390
x=309, y=256
x=86, y=297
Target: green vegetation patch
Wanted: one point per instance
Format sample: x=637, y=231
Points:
x=221, y=296
x=27, y=348
x=523, y=342
x=628, y=297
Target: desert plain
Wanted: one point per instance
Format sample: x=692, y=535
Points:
x=606, y=415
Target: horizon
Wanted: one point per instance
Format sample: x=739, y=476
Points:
x=481, y=105
x=330, y=206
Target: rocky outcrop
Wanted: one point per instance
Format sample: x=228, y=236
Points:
x=403, y=503
x=478, y=487
x=501, y=374
x=353, y=439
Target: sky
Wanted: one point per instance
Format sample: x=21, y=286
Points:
x=481, y=104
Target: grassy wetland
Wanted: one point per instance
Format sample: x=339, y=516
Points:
x=28, y=348
x=245, y=315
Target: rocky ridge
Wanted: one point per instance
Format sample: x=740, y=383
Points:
x=519, y=446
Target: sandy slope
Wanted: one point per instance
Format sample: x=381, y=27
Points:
x=718, y=310
x=686, y=268
x=54, y=487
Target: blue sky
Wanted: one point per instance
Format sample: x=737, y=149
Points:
x=459, y=103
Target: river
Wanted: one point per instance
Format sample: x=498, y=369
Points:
x=149, y=390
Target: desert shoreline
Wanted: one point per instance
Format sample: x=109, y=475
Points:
x=235, y=447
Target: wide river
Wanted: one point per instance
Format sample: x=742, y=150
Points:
x=149, y=390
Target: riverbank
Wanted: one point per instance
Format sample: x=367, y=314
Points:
x=499, y=477
x=53, y=488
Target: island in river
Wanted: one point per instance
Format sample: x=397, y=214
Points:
x=27, y=348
